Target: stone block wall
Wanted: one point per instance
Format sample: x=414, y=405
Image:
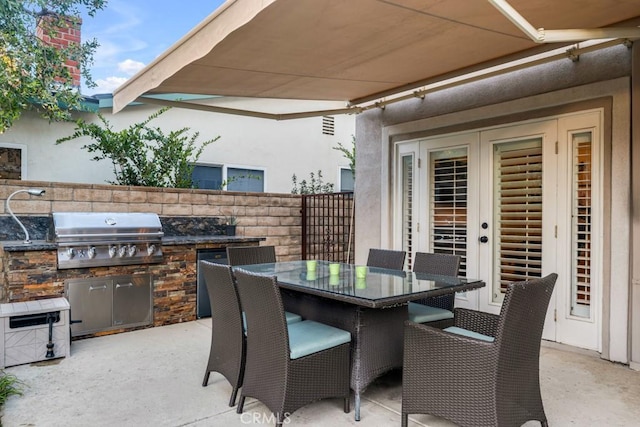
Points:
x=276, y=217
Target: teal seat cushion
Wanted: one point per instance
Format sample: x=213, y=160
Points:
x=421, y=313
x=291, y=318
x=309, y=337
x=468, y=333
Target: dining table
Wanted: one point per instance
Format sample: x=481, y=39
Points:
x=369, y=302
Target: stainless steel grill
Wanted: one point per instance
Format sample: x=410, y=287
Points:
x=92, y=239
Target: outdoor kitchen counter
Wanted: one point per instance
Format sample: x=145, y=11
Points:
x=30, y=272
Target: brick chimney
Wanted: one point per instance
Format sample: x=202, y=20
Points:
x=63, y=35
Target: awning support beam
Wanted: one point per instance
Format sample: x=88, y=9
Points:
x=570, y=53
x=561, y=36
x=247, y=113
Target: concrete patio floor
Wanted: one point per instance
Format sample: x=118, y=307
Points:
x=153, y=377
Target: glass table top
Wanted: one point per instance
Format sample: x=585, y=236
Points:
x=371, y=283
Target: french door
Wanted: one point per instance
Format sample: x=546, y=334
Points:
x=516, y=203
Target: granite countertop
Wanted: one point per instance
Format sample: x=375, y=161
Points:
x=35, y=245
x=44, y=245
x=217, y=238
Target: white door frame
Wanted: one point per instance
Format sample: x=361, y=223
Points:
x=479, y=144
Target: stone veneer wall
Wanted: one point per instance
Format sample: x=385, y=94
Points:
x=33, y=275
x=276, y=217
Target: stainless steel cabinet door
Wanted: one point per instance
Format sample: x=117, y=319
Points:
x=132, y=300
x=91, y=301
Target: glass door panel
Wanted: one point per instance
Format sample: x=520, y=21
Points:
x=448, y=204
x=407, y=161
x=581, y=233
x=517, y=195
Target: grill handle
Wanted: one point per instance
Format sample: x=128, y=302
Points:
x=79, y=236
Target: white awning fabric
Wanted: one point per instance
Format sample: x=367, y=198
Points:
x=361, y=51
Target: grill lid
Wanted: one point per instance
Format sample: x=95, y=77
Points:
x=95, y=239
x=71, y=227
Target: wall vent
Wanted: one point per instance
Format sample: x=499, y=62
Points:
x=328, y=125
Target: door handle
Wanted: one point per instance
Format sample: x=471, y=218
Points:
x=124, y=285
x=483, y=239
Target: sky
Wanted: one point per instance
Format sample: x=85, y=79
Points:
x=132, y=33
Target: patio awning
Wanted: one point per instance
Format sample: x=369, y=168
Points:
x=360, y=51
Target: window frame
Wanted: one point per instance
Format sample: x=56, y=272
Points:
x=23, y=156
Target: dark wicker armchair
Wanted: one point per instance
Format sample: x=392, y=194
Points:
x=289, y=366
x=245, y=255
x=491, y=380
x=386, y=258
x=436, y=311
x=228, y=344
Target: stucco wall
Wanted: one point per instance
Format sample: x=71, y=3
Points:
x=461, y=105
x=281, y=147
x=505, y=99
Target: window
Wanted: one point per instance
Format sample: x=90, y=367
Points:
x=212, y=177
x=346, y=179
x=245, y=180
x=207, y=177
x=13, y=161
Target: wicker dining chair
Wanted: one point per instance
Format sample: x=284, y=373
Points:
x=436, y=311
x=245, y=255
x=228, y=341
x=386, y=258
x=289, y=365
x=484, y=371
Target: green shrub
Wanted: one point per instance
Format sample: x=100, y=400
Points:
x=10, y=385
x=314, y=186
x=143, y=155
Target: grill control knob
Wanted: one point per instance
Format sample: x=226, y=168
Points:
x=71, y=252
x=132, y=250
x=151, y=249
x=122, y=251
x=112, y=251
x=92, y=252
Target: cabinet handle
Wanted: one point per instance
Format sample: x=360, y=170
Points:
x=125, y=285
x=97, y=288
